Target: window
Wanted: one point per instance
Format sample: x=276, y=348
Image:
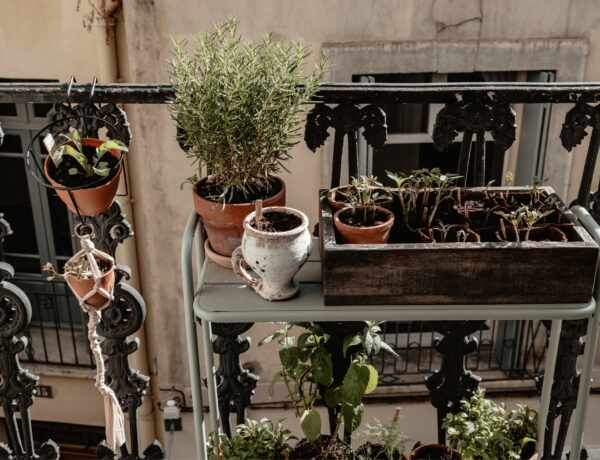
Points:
x=41, y=228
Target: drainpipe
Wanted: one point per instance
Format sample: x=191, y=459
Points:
x=149, y=424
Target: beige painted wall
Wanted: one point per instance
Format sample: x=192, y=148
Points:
x=159, y=166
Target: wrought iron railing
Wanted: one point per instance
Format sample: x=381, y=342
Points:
x=470, y=109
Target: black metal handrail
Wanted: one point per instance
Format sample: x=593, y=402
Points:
x=158, y=93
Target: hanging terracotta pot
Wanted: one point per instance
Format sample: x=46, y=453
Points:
x=81, y=286
x=89, y=201
x=224, y=222
x=376, y=234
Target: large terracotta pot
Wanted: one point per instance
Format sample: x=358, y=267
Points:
x=84, y=285
x=377, y=234
x=90, y=201
x=224, y=223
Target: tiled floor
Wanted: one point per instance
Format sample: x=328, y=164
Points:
x=418, y=424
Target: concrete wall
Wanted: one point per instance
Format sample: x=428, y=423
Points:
x=159, y=166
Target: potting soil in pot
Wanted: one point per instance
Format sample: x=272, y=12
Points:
x=211, y=190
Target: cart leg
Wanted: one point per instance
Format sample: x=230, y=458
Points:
x=548, y=381
x=584, y=386
x=211, y=377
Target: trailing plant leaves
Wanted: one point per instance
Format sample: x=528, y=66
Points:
x=310, y=421
x=78, y=156
x=322, y=366
x=274, y=380
x=350, y=341
x=352, y=416
x=112, y=144
x=333, y=396
x=388, y=348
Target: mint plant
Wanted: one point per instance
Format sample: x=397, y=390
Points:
x=261, y=439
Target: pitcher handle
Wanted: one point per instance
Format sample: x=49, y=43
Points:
x=238, y=262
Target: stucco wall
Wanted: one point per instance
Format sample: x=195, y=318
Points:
x=159, y=166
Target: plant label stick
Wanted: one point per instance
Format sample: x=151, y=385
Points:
x=259, y=214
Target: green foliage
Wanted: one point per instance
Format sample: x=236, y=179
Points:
x=523, y=217
x=71, y=146
x=253, y=440
x=484, y=429
x=364, y=195
x=422, y=183
x=241, y=104
x=388, y=435
x=306, y=365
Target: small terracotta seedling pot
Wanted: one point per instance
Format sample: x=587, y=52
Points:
x=84, y=285
x=377, y=234
x=332, y=197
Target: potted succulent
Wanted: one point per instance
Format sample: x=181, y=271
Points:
x=261, y=439
x=362, y=220
x=85, y=171
x=385, y=441
x=239, y=106
x=275, y=245
x=78, y=273
x=484, y=429
x=307, y=372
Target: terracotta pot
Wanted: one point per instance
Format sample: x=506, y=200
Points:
x=90, y=201
x=224, y=223
x=437, y=451
x=435, y=235
x=339, y=204
x=84, y=285
x=273, y=257
x=377, y=234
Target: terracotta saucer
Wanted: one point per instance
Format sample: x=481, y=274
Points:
x=220, y=260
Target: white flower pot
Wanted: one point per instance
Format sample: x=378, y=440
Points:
x=268, y=261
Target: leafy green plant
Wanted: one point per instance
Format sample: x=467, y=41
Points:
x=484, y=429
x=261, y=439
x=72, y=147
x=307, y=369
x=523, y=215
x=240, y=105
x=388, y=436
x=365, y=196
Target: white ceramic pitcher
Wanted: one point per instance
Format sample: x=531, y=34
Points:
x=268, y=261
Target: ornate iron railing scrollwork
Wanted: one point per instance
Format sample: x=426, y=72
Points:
x=346, y=119
x=473, y=116
x=17, y=385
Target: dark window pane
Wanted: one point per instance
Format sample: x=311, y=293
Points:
x=41, y=110
x=60, y=225
x=11, y=144
x=23, y=264
x=8, y=110
x=16, y=206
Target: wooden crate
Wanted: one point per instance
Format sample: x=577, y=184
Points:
x=456, y=273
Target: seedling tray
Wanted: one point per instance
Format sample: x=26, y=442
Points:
x=457, y=273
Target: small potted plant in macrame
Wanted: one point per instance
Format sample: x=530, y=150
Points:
x=84, y=171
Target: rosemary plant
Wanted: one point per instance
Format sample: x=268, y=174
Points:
x=240, y=105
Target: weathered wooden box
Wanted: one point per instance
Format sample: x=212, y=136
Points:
x=456, y=273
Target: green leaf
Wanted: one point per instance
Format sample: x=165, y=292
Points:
x=112, y=144
x=73, y=171
x=79, y=157
x=322, y=366
x=72, y=136
x=289, y=357
x=274, y=380
x=355, y=383
x=103, y=172
x=368, y=343
x=310, y=421
x=350, y=341
x=333, y=396
x=373, y=379
x=352, y=416
x=389, y=349
x=270, y=338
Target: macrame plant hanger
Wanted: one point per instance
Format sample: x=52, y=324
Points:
x=93, y=296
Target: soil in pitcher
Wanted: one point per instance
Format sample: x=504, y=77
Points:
x=337, y=450
x=355, y=219
x=274, y=222
x=61, y=173
x=213, y=189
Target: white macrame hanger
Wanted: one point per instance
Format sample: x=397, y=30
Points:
x=115, y=420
